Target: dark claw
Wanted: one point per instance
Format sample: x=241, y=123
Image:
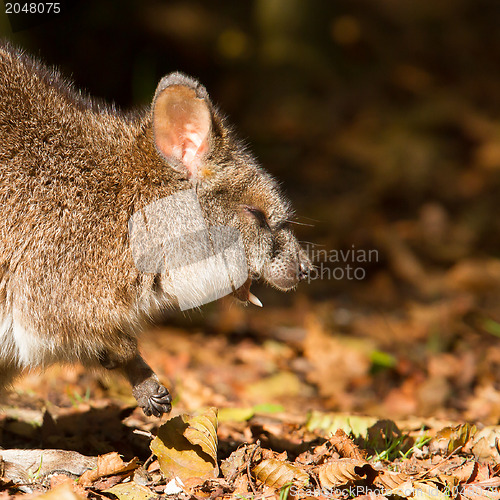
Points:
x=152, y=397
x=160, y=404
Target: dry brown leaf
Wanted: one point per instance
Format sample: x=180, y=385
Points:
x=343, y=471
x=186, y=447
x=132, y=491
x=104, y=483
x=466, y=471
x=391, y=481
x=449, y=439
x=107, y=465
x=484, y=490
x=58, y=479
x=449, y=481
x=241, y=486
x=428, y=490
x=202, y=431
x=411, y=489
x=345, y=446
x=276, y=473
x=338, y=446
x=238, y=460
x=283, y=384
x=485, y=444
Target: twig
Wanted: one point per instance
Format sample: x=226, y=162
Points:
x=143, y=433
x=239, y=469
x=443, y=461
x=148, y=461
x=249, y=463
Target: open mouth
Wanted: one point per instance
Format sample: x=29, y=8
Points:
x=244, y=294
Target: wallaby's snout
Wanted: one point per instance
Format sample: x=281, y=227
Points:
x=289, y=265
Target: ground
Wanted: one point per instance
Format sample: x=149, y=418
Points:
x=379, y=376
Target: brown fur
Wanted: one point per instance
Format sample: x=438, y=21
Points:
x=72, y=172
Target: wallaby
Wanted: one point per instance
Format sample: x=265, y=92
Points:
x=73, y=172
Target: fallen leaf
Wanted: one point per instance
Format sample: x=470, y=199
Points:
x=131, y=491
x=186, y=446
x=485, y=444
x=449, y=439
x=475, y=275
x=383, y=432
x=268, y=408
x=238, y=460
x=276, y=474
x=428, y=491
x=202, y=431
x=480, y=491
x=345, y=446
x=343, y=471
x=449, y=483
x=107, y=465
x=241, y=486
x=105, y=483
x=466, y=471
x=391, y=481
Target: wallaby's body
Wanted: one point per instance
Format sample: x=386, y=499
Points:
x=72, y=172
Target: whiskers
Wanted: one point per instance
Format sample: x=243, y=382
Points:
x=297, y=223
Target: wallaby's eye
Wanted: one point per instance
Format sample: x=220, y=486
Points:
x=282, y=225
x=259, y=216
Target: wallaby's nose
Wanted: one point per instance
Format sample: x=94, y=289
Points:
x=305, y=265
x=285, y=273
x=303, y=271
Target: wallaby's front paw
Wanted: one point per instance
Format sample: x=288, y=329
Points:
x=152, y=397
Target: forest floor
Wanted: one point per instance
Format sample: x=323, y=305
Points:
x=299, y=399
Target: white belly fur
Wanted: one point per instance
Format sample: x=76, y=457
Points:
x=25, y=348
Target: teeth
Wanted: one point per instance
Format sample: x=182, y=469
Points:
x=254, y=300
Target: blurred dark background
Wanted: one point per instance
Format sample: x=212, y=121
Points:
x=382, y=120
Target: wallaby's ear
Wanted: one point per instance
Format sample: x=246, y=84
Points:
x=182, y=122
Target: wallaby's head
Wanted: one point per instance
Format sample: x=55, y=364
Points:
x=233, y=191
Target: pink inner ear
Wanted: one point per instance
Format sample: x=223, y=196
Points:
x=181, y=123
